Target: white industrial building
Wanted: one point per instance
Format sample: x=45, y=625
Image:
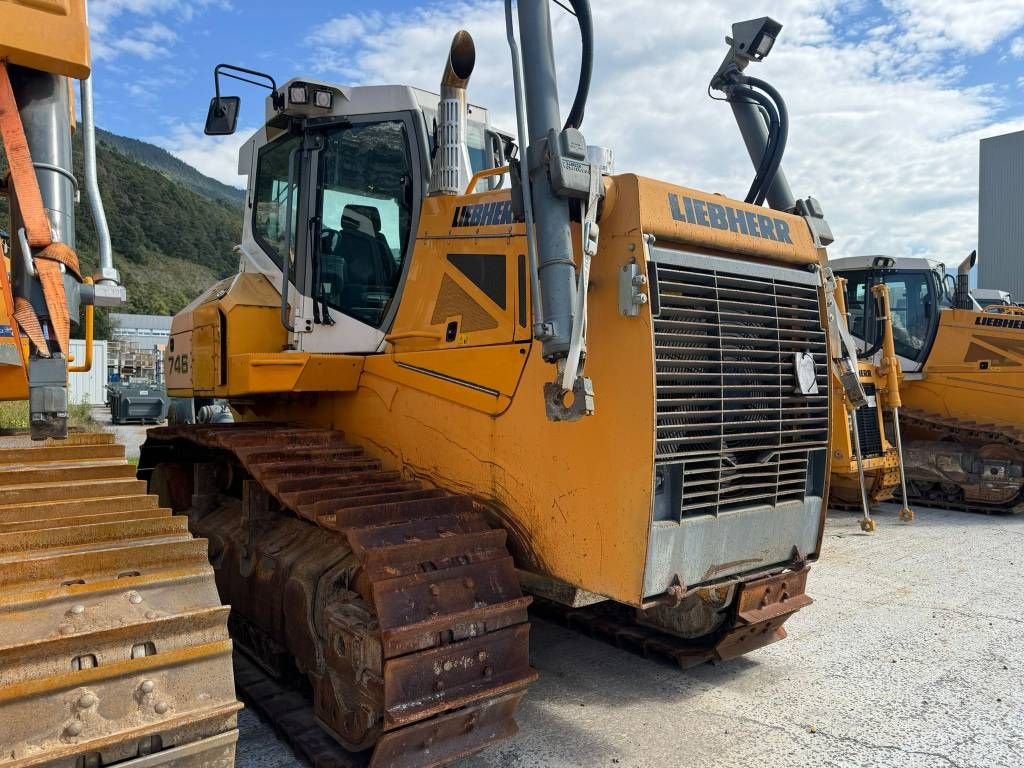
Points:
x=1001, y=214
x=88, y=388
x=144, y=330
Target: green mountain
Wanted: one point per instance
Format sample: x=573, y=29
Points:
x=173, y=229
x=164, y=162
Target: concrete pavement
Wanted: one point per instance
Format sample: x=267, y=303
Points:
x=911, y=656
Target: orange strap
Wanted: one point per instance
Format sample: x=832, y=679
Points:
x=23, y=175
x=37, y=229
x=29, y=323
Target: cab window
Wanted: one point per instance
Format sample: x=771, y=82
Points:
x=912, y=298
x=857, y=303
x=270, y=210
x=365, y=199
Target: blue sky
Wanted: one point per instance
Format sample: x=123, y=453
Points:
x=888, y=98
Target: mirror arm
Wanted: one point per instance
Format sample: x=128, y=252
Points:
x=227, y=69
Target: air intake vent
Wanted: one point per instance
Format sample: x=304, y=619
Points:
x=867, y=430
x=734, y=429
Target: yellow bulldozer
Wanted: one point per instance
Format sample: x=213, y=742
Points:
x=463, y=363
x=867, y=450
x=469, y=371
x=114, y=645
x=962, y=380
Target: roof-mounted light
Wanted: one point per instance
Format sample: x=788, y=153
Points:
x=298, y=94
x=323, y=99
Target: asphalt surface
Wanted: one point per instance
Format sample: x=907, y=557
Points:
x=131, y=436
x=912, y=656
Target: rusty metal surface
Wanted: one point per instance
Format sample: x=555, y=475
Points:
x=963, y=464
x=395, y=605
x=753, y=620
x=113, y=642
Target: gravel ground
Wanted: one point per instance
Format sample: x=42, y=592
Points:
x=911, y=656
x=131, y=436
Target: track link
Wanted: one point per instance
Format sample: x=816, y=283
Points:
x=397, y=603
x=113, y=644
x=971, y=435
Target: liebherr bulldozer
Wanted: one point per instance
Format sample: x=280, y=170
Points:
x=113, y=643
x=464, y=363
x=963, y=380
x=867, y=446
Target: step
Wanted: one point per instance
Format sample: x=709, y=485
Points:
x=60, y=453
x=68, y=570
x=64, y=474
x=19, y=495
x=100, y=505
x=62, y=522
x=45, y=541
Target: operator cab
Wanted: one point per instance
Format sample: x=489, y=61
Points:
x=919, y=289
x=337, y=177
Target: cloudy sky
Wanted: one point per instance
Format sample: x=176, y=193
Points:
x=887, y=98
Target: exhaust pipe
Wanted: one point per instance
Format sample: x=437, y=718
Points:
x=451, y=168
x=963, y=299
x=105, y=272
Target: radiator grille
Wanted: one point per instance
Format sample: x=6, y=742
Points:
x=730, y=420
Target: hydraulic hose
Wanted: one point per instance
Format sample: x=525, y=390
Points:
x=761, y=179
x=783, y=133
x=582, y=10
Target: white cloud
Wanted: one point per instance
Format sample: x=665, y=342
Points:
x=1017, y=47
x=214, y=156
x=109, y=40
x=972, y=26
x=881, y=130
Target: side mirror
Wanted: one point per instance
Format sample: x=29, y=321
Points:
x=223, y=115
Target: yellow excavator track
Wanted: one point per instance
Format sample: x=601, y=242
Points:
x=114, y=646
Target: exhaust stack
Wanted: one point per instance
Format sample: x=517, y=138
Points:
x=451, y=169
x=963, y=300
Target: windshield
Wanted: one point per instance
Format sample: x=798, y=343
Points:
x=365, y=214
x=912, y=298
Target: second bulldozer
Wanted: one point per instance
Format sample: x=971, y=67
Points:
x=963, y=380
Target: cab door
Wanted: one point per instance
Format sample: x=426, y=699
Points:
x=464, y=316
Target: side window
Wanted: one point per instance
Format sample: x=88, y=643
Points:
x=856, y=303
x=270, y=212
x=913, y=312
x=365, y=210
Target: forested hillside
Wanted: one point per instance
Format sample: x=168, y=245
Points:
x=172, y=228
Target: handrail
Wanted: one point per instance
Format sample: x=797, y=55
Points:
x=1003, y=309
x=481, y=175
x=391, y=338
x=90, y=311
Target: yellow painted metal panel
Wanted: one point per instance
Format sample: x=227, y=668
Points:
x=955, y=384
x=716, y=223
x=282, y=372
x=48, y=35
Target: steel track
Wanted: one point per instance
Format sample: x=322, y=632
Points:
x=114, y=646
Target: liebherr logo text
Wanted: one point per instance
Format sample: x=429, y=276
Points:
x=705, y=214
x=483, y=214
x=999, y=322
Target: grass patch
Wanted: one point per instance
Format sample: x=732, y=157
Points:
x=80, y=418
x=14, y=417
